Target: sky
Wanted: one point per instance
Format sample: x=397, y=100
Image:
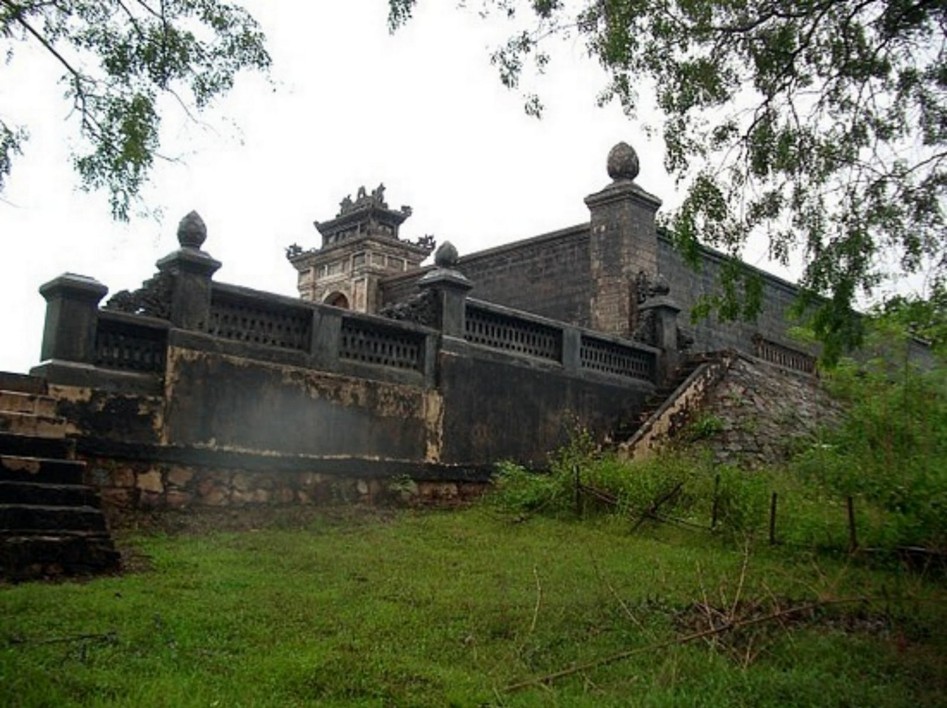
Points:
x=346, y=105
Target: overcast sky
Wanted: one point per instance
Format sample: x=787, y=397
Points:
x=422, y=111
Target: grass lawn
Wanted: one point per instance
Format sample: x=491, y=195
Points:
x=441, y=608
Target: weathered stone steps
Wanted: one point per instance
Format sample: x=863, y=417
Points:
x=40, y=470
x=28, y=556
x=654, y=401
x=32, y=424
x=17, y=402
x=50, y=522
x=22, y=383
x=14, y=445
x=46, y=494
x=25, y=519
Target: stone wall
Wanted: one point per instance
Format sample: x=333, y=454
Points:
x=545, y=275
x=128, y=485
x=553, y=275
x=688, y=285
x=276, y=401
x=758, y=414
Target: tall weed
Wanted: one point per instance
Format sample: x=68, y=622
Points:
x=891, y=451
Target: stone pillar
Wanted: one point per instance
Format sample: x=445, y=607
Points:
x=450, y=288
x=571, y=349
x=623, y=241
x=192, y=269
x=326, y=337
x=664, y=312
x=72, y=303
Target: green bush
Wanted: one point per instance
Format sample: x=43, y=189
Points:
x=889, y=454
x=891, y=451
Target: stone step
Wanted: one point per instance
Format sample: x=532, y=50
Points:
x=44, y=494
x=40, y=426
x=22, y=383
x=31, y=556
x=12, y=444
x=40, y=470
x=26, y=519
x=16, y=402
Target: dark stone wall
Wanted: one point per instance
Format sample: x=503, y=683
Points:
x=399, y=288
x=547, y=275
x=551, y=275
x=225, y=411
x=501, y=410
x=688, y=285
x=242, y=404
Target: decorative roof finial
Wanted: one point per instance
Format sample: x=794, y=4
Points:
x=623, y=162
x=446, y=255
x=192, y=232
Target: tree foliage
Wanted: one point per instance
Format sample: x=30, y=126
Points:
x=118, y=57
x=819, y=123
x=923, y=318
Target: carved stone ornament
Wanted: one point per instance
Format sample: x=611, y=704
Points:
x=660, y=286
x=427, y=242
x=446, y=255
x=645, y=330
x=363, y=198
x=153, y=298
x=646, y=287
x=192, y=232
x=623, y=162
x=420, y=308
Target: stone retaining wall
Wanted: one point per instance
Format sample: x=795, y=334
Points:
x=130, y=485
x=760, y=413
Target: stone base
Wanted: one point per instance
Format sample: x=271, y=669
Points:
x=144, y=486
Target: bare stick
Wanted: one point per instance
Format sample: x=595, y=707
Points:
x=604, y=661
x=714, y=507
x=539, y=601
x=852, y=537
x=650, y=513
x=746, y=562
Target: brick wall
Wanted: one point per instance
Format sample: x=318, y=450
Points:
x=551, y=275
x=687, y=285
x=547, y=275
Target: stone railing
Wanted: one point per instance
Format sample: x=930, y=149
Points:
x=130, y=342
x=617, y=358
x=499, y=330
x=522, y=334
x=247, y=316
x=85, y=345
x=782, y=355
x=367, y=341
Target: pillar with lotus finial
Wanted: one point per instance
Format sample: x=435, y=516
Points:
x=623, y=242
x=450, y=288
x=193, y=270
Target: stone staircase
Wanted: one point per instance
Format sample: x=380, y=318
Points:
x=670, y=406
x=51, y=523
